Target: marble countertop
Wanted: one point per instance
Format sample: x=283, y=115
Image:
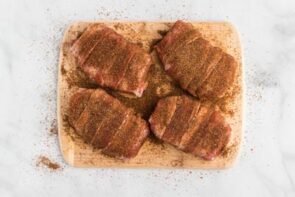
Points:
x=30, y=34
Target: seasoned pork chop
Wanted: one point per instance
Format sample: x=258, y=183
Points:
x=190, y=126
x=104, y=122
x=203, y=70
x=111, y=61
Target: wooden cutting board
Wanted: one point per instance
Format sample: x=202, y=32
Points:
x=153, y=154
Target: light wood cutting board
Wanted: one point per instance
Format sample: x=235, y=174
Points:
x=152, y=154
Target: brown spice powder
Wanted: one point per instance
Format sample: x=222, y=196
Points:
x=177, y=162
x=43, y=161
x=227, y=151
x=225, y=102
x=53, y=127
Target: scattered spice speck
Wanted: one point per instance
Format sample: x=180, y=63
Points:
x=43, y=161
x=53, y=127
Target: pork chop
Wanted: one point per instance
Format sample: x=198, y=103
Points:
x=190, y=126
x=200, y=68
x=111, y=61
x=105, y=123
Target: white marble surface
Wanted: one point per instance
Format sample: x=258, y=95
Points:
x=30, y=33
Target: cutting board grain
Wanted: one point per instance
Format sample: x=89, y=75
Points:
x=153, y=153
